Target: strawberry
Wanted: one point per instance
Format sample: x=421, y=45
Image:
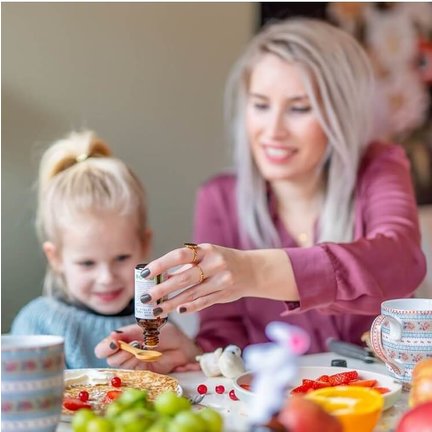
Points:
x=342, y=378
x=304, y=388
x=73, y=404
x=381, y=390
x=363, y=383
x=112, y=395
x=315, y=384
x=324, y=378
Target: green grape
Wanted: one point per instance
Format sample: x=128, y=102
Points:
x=133, y=396
x=213, y=419
x=99, y=424
x=187, y=421
x=160, y=425
x=170, y=404
x=81, y=418
x=114, y=409
x=135, y=420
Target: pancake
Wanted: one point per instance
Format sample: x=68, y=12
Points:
x=97, y=382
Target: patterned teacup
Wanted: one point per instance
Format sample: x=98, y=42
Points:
x=402, y=335
x=31, y=383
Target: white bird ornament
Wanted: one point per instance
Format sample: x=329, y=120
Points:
x=227, y=362
x=230, y=362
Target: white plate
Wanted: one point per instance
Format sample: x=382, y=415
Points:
x=76, y=373
x=313, y=372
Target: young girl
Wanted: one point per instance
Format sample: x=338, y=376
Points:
x=92, y=224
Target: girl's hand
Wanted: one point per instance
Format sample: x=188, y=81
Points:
x=214, y=274
x=178, y=350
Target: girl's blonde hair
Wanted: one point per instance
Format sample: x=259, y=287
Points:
x=339, y=82
x=78, y=175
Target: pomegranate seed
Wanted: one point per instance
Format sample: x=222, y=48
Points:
x=83, y=396
x=232, y=395
x=220, y=389
x=202, y=389
x=116, y=382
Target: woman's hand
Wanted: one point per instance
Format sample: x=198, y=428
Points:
x=213, y=274
x=178, y=350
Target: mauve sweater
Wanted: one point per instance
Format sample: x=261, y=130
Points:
x=341, y=285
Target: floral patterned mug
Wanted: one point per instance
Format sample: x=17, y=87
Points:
x=31, y=382
x=402, y=335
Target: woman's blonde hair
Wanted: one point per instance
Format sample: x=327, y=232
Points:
x=78, y=175
x=339, y=83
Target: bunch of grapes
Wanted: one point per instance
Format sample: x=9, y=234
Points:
x=133, y=412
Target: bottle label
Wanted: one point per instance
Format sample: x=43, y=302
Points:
x=143, y=286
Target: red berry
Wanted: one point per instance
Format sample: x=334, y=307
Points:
x=202, y=389
x=116, y=382
x=83, y=396
x=220, y=389
x=232, y=395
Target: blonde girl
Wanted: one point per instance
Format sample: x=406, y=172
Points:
x=92, y=225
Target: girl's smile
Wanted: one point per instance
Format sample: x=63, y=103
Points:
x=97, y=258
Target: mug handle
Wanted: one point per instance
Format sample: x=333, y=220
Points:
x=377, y=345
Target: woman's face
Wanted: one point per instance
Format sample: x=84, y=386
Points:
x=286, y=138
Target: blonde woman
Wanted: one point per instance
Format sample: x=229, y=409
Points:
x=317, y=225
x=92, y=225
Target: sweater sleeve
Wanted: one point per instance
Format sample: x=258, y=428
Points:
x=29, y=320
x=220, y=324
x=384, y=262
x=81, y=329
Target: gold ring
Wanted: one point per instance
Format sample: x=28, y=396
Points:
x=194, y=248
x=202, y=277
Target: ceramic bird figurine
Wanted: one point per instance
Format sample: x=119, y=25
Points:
x=209, y=363
x=230, y=362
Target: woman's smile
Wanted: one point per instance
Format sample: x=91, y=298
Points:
x=279, y=154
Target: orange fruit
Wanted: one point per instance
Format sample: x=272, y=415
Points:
x=357, y=408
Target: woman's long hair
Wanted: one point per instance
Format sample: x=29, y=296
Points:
x=339, y=83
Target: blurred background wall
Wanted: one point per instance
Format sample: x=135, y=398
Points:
x=147, y=77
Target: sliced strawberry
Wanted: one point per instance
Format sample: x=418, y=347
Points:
x=73, y=404
x=324, y=378
x=301, y=389
x=315, y=384
x=343, y=378
x=321, y=384
x=245, y=386
x=112, y=395
x=381, y=390
x=363, y=383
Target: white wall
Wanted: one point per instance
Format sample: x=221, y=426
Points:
x=147, y=77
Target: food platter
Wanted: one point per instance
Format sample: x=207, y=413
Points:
x=98, y=384
x=242, y=382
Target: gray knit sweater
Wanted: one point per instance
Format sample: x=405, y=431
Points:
x=81, y=329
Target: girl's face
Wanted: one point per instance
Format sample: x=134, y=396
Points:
x=97, y=258
x=286, y=138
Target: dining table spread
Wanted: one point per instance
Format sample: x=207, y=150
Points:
x=235, y=413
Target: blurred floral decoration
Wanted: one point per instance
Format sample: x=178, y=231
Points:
x=398, y=39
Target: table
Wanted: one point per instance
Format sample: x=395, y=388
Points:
x=235, y=412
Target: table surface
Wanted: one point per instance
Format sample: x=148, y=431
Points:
x=235, y=412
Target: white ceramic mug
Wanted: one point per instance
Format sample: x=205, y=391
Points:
x=32, y=382
x=402, y=335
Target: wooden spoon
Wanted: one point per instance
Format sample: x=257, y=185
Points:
x=143, y=355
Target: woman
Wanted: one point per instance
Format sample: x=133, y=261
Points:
x=316, y=227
